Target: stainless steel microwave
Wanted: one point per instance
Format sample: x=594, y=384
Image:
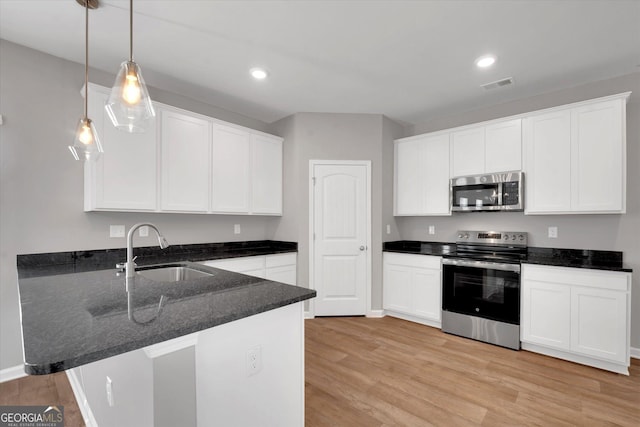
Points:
x=501, y=191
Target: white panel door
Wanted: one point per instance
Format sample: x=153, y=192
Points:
x=125, y=174
x=230, y=169
x=426, y=298
x=597, y=157
x=285, y=274
x=397, y=288
x=266, y=175
x=468, y=152
x=546, y=314
x=185, y=162
x=408, y=178
x=547, y=140
x=340, y=223
x=503, y=146
x=434, y=160
x=599, y=323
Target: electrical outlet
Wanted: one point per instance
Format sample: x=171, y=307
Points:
x=236, y=228
x=110, y=392
x=432, y=229
x=553, y=232
x=143, y=231
x=254, y=360
x=116, y=231
x=388, y=228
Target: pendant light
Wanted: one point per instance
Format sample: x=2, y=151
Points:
x=86, y=144
x=129, y=105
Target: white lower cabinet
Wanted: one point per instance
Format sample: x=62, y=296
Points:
x=412, y=287
x=277, y=267
x=577, y=314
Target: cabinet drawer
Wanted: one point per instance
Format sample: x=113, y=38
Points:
x=280, y=260
x=411, y=260
x=611, y=280
x=239, y=265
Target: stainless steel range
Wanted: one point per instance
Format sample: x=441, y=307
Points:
x=481, y=287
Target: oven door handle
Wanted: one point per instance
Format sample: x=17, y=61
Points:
x=482, y=264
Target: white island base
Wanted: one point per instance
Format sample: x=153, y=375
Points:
x=249, y=372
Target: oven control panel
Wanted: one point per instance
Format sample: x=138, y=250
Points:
x=511, y=238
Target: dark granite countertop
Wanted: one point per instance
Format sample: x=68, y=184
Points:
x=577, y=258
x=79, y=261
x=71, y=317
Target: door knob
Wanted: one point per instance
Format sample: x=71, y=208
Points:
x=362, y=248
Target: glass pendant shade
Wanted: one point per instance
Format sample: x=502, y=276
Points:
x=129, y=105
x=86, y=145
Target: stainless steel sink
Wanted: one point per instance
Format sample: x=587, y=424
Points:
x=171, y=273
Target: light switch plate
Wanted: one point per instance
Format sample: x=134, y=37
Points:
x=236, y=228
x=116, y=231
x=432, y=229
x=143, y=231
x=553, y=232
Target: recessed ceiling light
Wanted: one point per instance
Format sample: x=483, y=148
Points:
x=485, y=61
x=258, y=73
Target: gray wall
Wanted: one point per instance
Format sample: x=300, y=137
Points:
x=41, y=186
x=604, y=232
x=314, y=136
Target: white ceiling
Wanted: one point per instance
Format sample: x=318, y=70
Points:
x=410, y=60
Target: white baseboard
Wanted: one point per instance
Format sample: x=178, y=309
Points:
x=81, y=398
x=635, y=353
x=376, y=313
x=308, y=315
x=12, y=373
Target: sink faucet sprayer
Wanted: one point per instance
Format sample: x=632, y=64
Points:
x=130, y=266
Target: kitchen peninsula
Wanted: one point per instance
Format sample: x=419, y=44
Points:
x=224, y=343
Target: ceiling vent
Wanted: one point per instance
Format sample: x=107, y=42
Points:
x=499, y=83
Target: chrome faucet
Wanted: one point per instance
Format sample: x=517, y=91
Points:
x=130, y=265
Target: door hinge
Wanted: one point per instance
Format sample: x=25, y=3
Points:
x=314, y=236
x=314, y=180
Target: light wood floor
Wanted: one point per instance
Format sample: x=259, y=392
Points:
x=384, y=372
x=389, y=372
x=47, y=390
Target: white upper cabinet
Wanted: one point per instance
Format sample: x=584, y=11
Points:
x=598, y=161
x=185, y=162
x=547, y=138
x=230, y=168
x=421, y=176
x=124, y=177
x=495, y=147
x=467, y=147
x=266, y=174
x=575, y=158
x=503, y=146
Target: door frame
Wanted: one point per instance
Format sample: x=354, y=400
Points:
x=368, y=272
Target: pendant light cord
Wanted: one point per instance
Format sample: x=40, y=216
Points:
x=131, y=30
x=86, y=59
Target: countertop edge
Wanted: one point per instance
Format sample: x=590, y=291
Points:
x=436, y=249
x=59, y=366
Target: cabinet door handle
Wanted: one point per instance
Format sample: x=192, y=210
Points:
x=362, y=248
